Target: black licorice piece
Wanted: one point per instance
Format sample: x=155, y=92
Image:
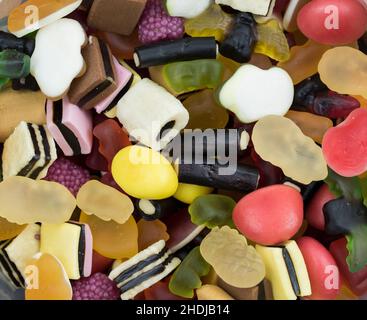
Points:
x=291, y=271
x=161, y=208
x=27, y=83
x=185, y=49
x=244, y=178
x=305, y=92
x=342, y=216
x=9, y=41
x=240, y=42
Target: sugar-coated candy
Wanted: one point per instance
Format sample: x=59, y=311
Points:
x=57, y=57
x=111, y=139
x=144, y=173
x=313, y=213
x=286, y=270
x=68, y=173
x=213, y=22
x=14, y=64
x=183, y=77
x=53, y=282
x=20, y=106
x=156, y=25
x=271, y=41
x=291, y=13
x=151, y=232
x=356, y=280
x=99, y=80
x=212, y=210
x=232, y=258
x=71, y=243
x=344, y=145
x=239, y=44
x=181, y=230
x=116, y=16
x=322, y=269
x=70, y=126
x=343, y=69
x=242, y=93
x=278, y=140
x=187, y=193
x=38, y=151
x=333, y=22
x=113, y=240
x=243, y=178
x=151, y=210
x=269, y=227
x=96, y=287
x=15, y=254
x=185, y=49
x=35, y=14
x=9, y=230
x=91, y=199
x=313, y=126
x=187, y=276
x=205, y=112
x=212, y=292
x=143, y=270
x=23, y=200
x=187, y=9
x=303, y=60
x=260, y=7
x=164, y=115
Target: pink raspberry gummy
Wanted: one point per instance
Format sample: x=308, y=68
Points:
x=156, y=25
x=96, y=287
x=68, y=174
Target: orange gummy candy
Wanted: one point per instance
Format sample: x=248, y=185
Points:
x=9, y=230
x=47, y=279
x=150, y=232
x=113, y=240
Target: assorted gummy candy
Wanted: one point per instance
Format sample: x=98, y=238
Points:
x=183, y=149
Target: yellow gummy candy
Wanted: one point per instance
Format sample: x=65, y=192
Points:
x=344, y=70
x=143, y=173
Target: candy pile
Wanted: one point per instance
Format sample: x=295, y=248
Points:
x=183, y=149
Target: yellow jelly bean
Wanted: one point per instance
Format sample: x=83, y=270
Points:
x=187, y=193
x=143, y=173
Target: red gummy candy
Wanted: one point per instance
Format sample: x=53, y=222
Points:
x=333, y=22
x=270, y=215
x=322, y=269
x=345, y=146
x=100, y=263
x=314, y=214
x=160, y=291
x=111, y=139
x=356, y=280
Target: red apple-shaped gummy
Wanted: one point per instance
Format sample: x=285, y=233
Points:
x=345, y=146
x=314, y=214
x=269, y=215
x=322, y=269
x=333, y=22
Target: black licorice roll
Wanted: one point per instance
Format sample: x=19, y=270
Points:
x=238, y=177
x=27, y=83
x=156, y=209
x=9, y=41
x=185, y=49
x=240, y=42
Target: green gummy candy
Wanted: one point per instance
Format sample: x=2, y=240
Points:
x=357, y=248
x=194, y=75
x=212, y=210
x=14, y=64
x=187, y=276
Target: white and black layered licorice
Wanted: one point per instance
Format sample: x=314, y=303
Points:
x=286, y=270
x=15, y=254
x=9, y=41
x=240, y=42
x=144, y=270
x=185, y=49
x=236, y=177
x=29, y=151
x=156, y=209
